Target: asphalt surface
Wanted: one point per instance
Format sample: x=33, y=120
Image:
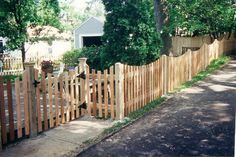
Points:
x=199, y=121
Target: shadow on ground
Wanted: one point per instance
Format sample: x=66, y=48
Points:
x=196, y=122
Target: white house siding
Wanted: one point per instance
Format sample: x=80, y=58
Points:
x=39, y=49
x=91, y=27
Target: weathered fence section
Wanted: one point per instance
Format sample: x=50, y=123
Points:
x=37, y=102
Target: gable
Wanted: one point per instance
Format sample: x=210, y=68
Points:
x=91, y=26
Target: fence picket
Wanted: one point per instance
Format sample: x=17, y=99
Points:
x=99, y=94
x=38, y=102
x=10, y=110
x=94, y=93
x=50, y=97
x=56, y=100
x=112, y=100
x=2, y=113
x=105, y=94
x=44, y=92
x=18, y=108
x=62, y=98
x=26, y=104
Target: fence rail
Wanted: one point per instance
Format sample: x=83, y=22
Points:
x=37, y=103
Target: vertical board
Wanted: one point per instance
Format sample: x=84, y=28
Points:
x=67, y=97
x=18, y=108
x=72, y=97
x=26, y=104
x=50, y=97
x=99, y=95
x=56, y=100
x=112, y=100
x=77, y=97
x=45, y=111
x=10, y=111
x=2, y=113
x=94, y=93
x=62, y=102
x=105, y=94
x=38, y=102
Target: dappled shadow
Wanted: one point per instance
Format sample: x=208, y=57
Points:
x=196, y=122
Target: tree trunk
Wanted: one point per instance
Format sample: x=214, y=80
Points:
x=158, y=15
x=23, y=54
x=162, y=20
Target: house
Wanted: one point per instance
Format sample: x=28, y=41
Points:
x=89, y=33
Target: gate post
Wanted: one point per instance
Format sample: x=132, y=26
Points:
x=84, y=82
x=119, y=76
x=31, y=99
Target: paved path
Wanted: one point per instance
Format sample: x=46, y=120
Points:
x=64, y=140
x=196, y=122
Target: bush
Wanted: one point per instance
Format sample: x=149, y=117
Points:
x=70, y=58
x=94, y=55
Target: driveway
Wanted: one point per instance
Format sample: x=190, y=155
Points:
x=199, y=121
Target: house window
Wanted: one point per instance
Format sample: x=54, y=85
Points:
x=92, y=41
x=1, y=46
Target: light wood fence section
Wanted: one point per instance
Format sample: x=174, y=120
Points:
x=112, y=93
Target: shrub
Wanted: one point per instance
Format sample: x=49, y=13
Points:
x=70, y=58
x=93, y=53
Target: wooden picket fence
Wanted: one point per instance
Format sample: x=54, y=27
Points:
x=14, y=66
x=37, y=103
x=143, y=84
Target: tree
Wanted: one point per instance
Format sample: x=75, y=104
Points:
x=162, y=20
x=49, y=11
x=18, y=15
x=201, y=17
x=129, y=32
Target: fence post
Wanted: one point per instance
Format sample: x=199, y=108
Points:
x=119, y=76
x=82, y=68
x=0, y=137
x=189, y=52
x=32, y=99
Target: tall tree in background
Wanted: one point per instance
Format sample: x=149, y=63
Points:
x=49, y=11
x=201, y=17
x=17, y=15
x=162, y=21
x=130, y=35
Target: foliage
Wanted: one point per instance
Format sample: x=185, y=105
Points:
x=11, y=78
x=94, y=55
x=200, y=17
x=129, y=32
x=70, y=58
x=49, y=11
x=72, y=17
x=17, y=15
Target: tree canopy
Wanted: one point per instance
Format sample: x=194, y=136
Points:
x=130, y=35
x=17, y=15
x=201, y=17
